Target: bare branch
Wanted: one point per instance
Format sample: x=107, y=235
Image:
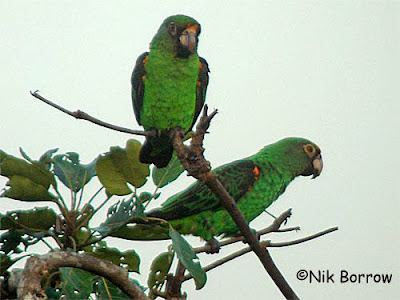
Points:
x=193, y=161
x=38, y=266
x=78, y=114
x=268, y=244
x=274, y=227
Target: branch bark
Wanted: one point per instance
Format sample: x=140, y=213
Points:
x=38, y=266
x=78, y=114
x=193, y=161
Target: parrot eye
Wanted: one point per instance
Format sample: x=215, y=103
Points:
x=172, y=28
x=309, y=149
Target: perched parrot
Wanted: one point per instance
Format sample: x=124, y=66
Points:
x=169, y=86
x=254, y=183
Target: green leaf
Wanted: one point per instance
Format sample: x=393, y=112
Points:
x=3, y=155
x=37, y=219
x=128, y=260
x=120, y=214
x=71, y=172
x=186, y=256
x=162, y=177
x=12, y=166
x=5, y=263
x=24, y=189
x=145, y=196
x=45, y=160
x=159, y=270
x=76, y=283
x=121, y=166
x=10, y=240
x=106, y=290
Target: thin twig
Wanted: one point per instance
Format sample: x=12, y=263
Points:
x=270, y=244
x=78, y=114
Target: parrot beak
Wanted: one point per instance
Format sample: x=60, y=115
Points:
x=317, y=165
x=188, y=38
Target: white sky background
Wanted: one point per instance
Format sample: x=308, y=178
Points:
x=327, y=71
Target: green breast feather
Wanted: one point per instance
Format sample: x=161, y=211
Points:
x=170, y=91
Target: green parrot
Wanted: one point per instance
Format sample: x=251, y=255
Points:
x=254, y=183
x=169, y=86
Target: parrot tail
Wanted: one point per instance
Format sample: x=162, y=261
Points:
x=156, y=150
x=143, y=232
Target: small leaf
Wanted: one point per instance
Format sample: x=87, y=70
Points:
x=3, y=155
x=145, y=196
x=120, y=214
x=10, y=240
x=121, y=166
x=71, y=172
x=45, y=160
x=162, y=177
x=37, y=219
x=76, y=283
x=5, y=263
x=186, y=256
x=128, y=260
x=159, y=270
x=24, y=189
x=24, y=155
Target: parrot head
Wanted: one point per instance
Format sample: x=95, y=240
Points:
x=299, y=156
x=180, y=34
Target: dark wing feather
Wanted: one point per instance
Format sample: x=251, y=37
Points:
x=202, y=84
x=237, y=177
x=138, y=85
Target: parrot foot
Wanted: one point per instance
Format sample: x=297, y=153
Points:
x=175, y=130
x=214, y=246
x=154, y=132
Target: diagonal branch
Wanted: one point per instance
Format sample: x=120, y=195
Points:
x=78, y=114
x=193, y=161
x=36, y=267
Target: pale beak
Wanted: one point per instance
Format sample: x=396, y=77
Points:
x=188, y=38
x=317, y=166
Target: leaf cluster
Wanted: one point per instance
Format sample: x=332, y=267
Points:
x=64, y=222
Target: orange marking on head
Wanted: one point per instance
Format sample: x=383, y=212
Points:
x=145, y=60
x=193, y=27
x=256, y=172
x=198, y=83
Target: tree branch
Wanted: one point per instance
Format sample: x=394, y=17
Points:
x=38, y=266
x=193, y=161
x=274, y=227
x=78, y=114
x=266, y=243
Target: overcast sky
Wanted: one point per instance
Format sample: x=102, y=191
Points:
x=325, y=70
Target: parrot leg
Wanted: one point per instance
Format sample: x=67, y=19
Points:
x=214, y=245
